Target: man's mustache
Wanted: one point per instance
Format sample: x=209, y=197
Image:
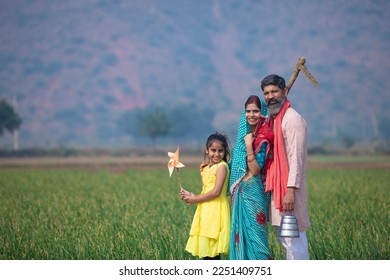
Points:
x=275, y=102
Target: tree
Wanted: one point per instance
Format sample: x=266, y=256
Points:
x=384, y=128
x=348, y=141
x=9, y=119
x=154, y=124
x=185, y=122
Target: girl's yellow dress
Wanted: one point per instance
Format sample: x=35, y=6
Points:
x=210, y=229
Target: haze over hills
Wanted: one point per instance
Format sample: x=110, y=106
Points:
x=75, y=67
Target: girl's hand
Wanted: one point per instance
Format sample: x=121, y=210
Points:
x=189, y=197
x=183, y=193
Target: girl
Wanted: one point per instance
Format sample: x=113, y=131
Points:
x=251, y=156
x=210, y=230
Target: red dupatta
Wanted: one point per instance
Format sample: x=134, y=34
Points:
x=277, y=174
x=264, y=134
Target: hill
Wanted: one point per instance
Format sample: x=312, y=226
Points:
x=75, y=67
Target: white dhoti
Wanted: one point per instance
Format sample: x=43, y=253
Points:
x=296, y=247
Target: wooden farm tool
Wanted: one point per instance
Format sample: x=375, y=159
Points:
x=300, y=66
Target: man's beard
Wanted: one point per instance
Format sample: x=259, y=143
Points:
x=274, y=108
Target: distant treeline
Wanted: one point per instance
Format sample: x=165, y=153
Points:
x=162, y=151
x=114, y=152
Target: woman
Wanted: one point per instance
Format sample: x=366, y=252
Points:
x=251, y=155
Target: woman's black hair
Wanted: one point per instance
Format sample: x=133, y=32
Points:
x=253, y=99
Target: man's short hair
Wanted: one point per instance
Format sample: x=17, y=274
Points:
x=273, y=80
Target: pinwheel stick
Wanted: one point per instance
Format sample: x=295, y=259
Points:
x=178, y=178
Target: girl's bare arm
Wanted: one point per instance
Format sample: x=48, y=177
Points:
x=214, y=193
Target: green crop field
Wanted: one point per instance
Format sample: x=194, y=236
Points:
x=75, y=214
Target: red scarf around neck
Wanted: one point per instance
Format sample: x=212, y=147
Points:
x=264, y=134
x=277, y=174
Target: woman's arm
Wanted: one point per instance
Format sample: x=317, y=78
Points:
x=214, y=193
x=253, y=165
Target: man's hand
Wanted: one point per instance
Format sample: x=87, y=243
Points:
x=289, y=199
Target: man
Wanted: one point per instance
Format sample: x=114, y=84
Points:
x=286, y=178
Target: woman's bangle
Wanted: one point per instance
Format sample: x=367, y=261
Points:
x=250, y=160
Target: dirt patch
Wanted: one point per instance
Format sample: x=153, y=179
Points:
x=114, y=164
x=357, y=165
x=122, y=164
